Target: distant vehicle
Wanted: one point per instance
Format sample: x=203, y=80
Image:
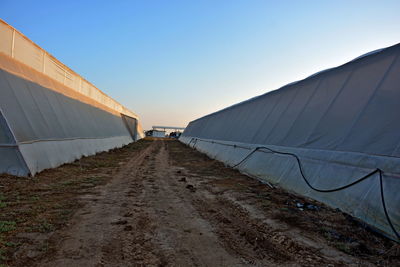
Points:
x=155, y=133
x=175, y=134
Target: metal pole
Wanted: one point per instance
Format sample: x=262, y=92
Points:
x=44, y=62
x=13, y=43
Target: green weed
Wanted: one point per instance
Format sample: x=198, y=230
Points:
x=6, y=226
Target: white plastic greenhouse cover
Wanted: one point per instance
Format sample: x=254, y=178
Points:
x=49, y=115
x=333, y=137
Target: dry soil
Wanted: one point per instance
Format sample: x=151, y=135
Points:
x=160, y=203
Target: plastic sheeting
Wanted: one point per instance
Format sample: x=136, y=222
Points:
x=342, y=124
x=17, y=46
x=45, y=120
x=131, y=125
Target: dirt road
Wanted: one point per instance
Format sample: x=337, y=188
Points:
x=171, y=206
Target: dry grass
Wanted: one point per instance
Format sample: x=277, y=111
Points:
x=45, y=203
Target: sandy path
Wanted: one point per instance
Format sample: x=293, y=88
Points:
x=155, y=214
x=140, y=219
x=96, y=225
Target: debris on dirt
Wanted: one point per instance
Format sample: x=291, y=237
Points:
x=299, y=205
x=191, y=188
x=179, y=171
x=183, y=179
x=119, y=222
x=312, y=207
x=307, y=206
x=226, y=220
x=128, y=228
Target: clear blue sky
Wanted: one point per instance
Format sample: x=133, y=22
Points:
x=174, y=61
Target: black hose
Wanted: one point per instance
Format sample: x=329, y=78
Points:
x=302, y=172
x=384, y=206
x=309, y=184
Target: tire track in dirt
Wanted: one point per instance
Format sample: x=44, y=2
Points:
x=95, y=232
x=244, y=230
x=185, y=238
x=258, y=243
x=141, y=218
x=154, y=213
